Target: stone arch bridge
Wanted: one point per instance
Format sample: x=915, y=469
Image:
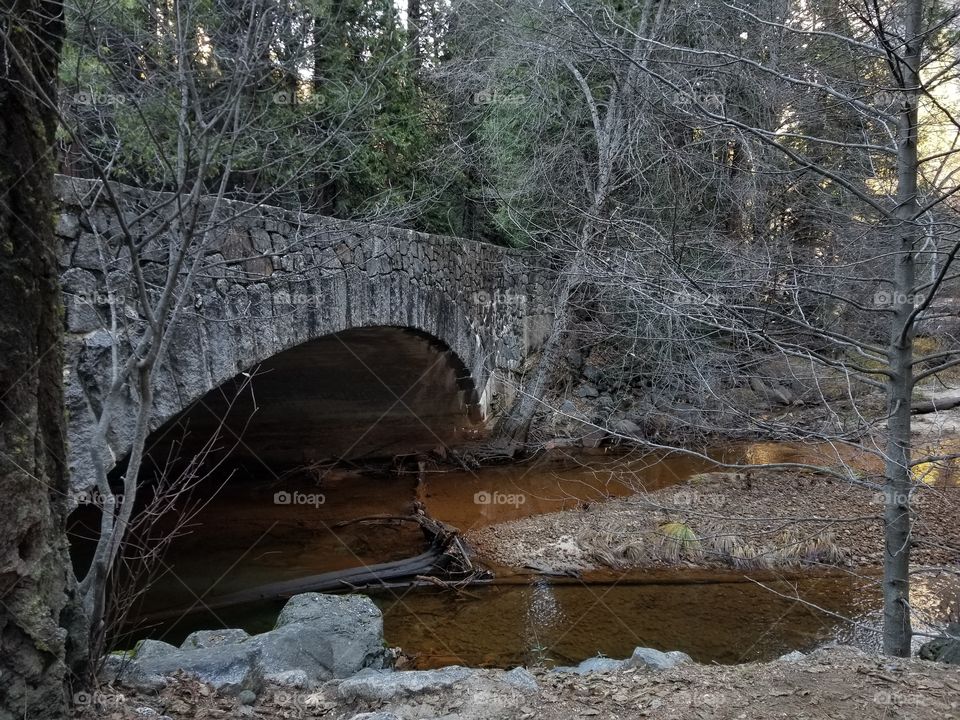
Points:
x=272, y=284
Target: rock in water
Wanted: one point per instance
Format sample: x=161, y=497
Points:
x=943, y=649
x=655, y=659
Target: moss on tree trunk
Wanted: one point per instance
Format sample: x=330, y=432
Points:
x=33, y=476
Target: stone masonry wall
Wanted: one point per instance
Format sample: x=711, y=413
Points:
x=271, y=279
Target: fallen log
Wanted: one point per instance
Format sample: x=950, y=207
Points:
x=337, y=580
x=447, y=554
x=350, y=579
x=930, y=406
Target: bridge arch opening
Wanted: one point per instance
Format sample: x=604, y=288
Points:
x=366, y=393
x=301, y=445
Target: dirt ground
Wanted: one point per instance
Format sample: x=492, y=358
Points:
x=837, y=683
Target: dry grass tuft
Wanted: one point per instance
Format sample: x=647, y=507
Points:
x=796, y=547
x=615, y=550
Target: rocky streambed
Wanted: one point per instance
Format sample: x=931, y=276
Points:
x=317, y=638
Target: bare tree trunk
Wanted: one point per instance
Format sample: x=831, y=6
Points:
x=897, y=524
x=33, y=476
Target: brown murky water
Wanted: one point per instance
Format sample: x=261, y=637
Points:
x=258, y=532
x=548, y=623
x=503, y=493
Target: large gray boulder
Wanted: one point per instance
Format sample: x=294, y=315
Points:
x=341, y=634
x=231, y=669
x=315, y=653
x=317, y=638
x=213, y=638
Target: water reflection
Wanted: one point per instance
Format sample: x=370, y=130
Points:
x=724, y=622
x=544, y=618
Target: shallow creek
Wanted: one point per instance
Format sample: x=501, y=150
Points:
x=256, y=532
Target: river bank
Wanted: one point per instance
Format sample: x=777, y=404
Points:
x=759, y=518
x=839, y=683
